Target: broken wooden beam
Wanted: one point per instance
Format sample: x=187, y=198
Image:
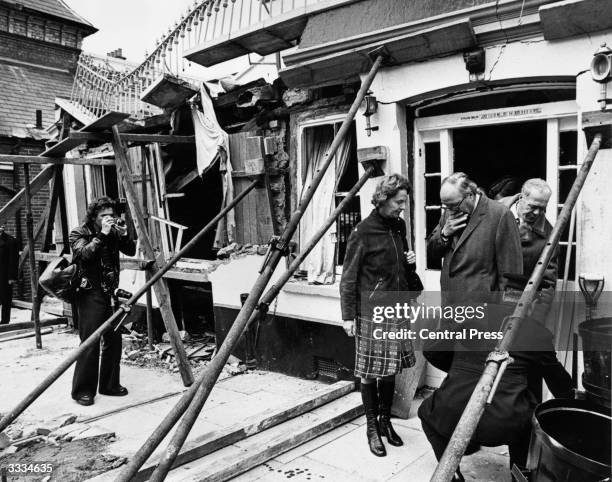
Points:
x=134, y=138
x=161, y=289
x=79, y=161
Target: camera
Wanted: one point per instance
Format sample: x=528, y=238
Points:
x=119, y=222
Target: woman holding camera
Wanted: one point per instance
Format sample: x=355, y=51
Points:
x=95, y=249
x=378, y=266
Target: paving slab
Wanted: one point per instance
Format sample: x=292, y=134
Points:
x=351, y=453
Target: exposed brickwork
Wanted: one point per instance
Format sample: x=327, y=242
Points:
x=37, y=52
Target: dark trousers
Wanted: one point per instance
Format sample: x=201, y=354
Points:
x=6, y=298
x=518, y=448
x=94, y=308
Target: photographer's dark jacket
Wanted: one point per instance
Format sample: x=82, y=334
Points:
x=97, y=255
x=375, y=263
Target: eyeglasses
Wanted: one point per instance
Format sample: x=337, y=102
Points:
x=453, y=207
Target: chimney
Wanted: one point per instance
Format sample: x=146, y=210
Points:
x=39, y=122
x=116, y=54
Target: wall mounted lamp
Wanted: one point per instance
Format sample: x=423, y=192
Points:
x=601, y=71
x=370, y=106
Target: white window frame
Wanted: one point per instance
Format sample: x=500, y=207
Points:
x=560, y=116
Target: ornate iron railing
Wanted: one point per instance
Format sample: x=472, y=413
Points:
x=99, y=88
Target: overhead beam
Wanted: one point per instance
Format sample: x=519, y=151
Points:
x=127, y=137
x=79, y=161
x=41, y=179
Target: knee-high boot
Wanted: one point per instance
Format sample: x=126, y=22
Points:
x=386, y=388
x=369, y=396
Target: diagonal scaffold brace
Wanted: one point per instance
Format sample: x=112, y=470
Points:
x=115, y=320
x=497, y=360
x=193, y=400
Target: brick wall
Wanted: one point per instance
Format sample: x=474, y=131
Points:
x=16, y=226
x=38, y=52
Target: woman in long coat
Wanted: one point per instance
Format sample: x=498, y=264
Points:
x=377, y=267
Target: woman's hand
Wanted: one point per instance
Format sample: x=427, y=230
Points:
x=410, y=257
x=349, y=327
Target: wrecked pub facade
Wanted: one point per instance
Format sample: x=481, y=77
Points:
x=490, y=88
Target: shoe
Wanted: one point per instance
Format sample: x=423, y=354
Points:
x=458, y=476
x=84, y=399
x=369, y=396
x=386, y=389
x=116, y=392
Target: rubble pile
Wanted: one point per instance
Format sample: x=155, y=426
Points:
x=200, y=350
x=235, y=250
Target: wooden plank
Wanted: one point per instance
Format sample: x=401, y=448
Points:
x=161, y=289
x=81, y=161
x=26, y=325
x=258, y=449
x=213, y=441
x=36, y=334
x=105, y=122
x=83, y=137
x=16, y=203
x=406, y=384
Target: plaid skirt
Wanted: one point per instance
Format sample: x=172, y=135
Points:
x=375, y=358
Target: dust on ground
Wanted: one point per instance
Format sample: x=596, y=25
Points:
x=72, y=461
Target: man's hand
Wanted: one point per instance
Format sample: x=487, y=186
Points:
x=454, y=224
x=410, y=257
x=121, y=230
x=107, y=224
x=349, y=327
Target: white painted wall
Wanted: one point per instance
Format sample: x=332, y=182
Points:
x=297, y=300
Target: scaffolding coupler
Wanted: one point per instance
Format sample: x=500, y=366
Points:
x=275, y=244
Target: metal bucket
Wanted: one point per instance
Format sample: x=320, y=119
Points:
x=570, y=442
x=597, y=345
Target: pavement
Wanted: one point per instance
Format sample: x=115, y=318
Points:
x=343, y=455
x=338, y=455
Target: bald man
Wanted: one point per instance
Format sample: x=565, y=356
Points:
x=529, y=210
x=477, y=238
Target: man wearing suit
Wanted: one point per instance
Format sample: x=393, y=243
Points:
x=479, y=242
x=9, y=256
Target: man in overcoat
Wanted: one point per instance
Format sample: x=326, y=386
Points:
x=478, y=240
x=9, y=257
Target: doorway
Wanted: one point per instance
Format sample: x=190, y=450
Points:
x=492, y=154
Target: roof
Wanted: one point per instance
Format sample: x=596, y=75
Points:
x=23, y=90
x=57, y=8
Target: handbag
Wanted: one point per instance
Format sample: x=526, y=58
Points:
x=60, y=279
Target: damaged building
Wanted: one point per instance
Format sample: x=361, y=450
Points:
x=501, y=90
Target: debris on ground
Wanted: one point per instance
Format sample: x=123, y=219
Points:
x=200, y=350
x=64, y=449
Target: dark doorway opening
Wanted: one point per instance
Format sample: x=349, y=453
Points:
x=488, y=154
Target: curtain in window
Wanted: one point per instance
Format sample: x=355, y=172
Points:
x=320, y=263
